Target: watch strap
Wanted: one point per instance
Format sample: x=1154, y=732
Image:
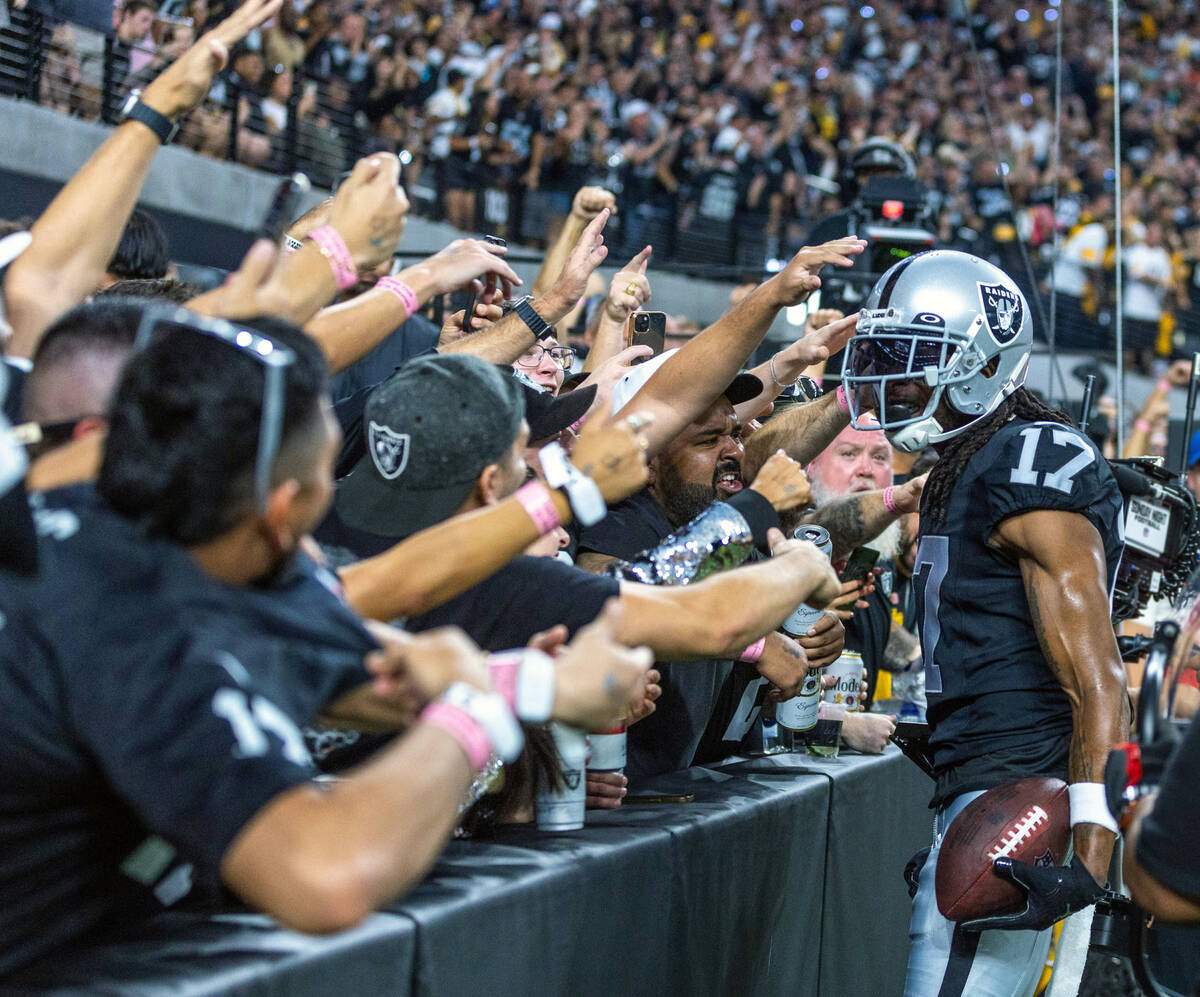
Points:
x=537, y=325
x=160, y=124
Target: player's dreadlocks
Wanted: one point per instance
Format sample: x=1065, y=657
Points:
x=935, y=498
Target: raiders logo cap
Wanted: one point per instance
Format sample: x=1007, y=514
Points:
x=429, y=430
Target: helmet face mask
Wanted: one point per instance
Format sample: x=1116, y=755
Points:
x=940, y=329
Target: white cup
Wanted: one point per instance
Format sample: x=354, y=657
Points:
x=562, y=808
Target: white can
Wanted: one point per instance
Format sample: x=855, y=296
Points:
x=607, y=750
x=847, y=675
x=562, y=808
x=805, y=616
x=800, y=712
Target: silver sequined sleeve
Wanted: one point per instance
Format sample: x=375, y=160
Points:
x=717, y=539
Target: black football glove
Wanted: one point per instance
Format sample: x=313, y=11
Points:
x=1052, y=892
x=912, y=871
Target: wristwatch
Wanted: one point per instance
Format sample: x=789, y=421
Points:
x=582, y=492
x=537, y=325
x=160, y=124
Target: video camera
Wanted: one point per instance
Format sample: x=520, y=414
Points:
x=894, y=215
x=1162, y=536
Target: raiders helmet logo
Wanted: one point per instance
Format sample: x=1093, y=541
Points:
x=571, y=778
x=1003, y=311
x=389, y=450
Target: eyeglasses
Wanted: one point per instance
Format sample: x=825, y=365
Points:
x=276, y=359
x=563, y=356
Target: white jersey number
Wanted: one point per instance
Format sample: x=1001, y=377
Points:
x=1061, y=480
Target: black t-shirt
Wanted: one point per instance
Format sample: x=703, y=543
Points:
x=988, y=685
x=707, y=705
x=526, y=596
x=1166, y=846
x=149, y=714
x=867, y=631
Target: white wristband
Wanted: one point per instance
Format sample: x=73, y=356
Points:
x=1089, y=805
x=489, y=710
x=535, y=686
x=587, y=501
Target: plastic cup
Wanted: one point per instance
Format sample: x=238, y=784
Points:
x=825, y=738
x=562, y=807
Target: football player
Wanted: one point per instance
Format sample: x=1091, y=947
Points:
x=1020, y=538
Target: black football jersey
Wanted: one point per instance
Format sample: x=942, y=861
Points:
x=991, y=692
x=150, y=712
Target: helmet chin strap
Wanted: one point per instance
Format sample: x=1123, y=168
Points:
x=918, y=436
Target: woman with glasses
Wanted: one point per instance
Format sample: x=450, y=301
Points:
x=546, y=363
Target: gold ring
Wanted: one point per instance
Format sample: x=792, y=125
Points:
x=631, y=288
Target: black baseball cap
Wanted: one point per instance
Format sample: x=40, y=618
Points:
x=429, y=429
x=547, y=414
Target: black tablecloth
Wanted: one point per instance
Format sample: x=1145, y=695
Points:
x=247, y=955
x=783, y=876
x=879, y=817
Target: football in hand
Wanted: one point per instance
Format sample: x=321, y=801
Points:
x=1028, y=821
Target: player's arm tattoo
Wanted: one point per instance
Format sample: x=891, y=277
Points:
x=900, y=650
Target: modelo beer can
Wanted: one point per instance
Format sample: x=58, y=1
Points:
x=798, y=715
x=847, y=674
x=805, y=616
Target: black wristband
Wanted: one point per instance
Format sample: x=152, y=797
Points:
x=160, y=124
x=758, y=513
x=537, y=325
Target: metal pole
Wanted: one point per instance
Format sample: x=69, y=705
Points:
x=1118, y=316
x=1189, y=417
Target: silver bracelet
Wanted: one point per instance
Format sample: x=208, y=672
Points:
x=775, y=377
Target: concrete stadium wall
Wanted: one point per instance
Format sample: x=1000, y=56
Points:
x=43, y=149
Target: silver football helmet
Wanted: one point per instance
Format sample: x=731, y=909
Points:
x=949, y=320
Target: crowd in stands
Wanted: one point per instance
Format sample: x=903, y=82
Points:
x=700, y=114
x=299, y=528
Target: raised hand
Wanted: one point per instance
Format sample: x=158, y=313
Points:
x=629, y=289
x=588, y=254
x=186, y=82
x=613, y=454
x=795, y=282
x=823, y=341
x=464, y=261
x=590, y=201
x=368, y=210
x=782, y=482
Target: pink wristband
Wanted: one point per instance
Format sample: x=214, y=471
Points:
x=463, y=727
x=535, y=500
x=1163, y=385
x=889, y=500
x=505, y=669
x=842, y=401
x=333, y=248
x=407, y=296
x=754, y=651
x=1141, y=425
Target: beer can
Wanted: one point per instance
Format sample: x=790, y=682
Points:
x=805, y=616
x=607, y=750
x=561, y=808
x=799, y=714
x=847, y=674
